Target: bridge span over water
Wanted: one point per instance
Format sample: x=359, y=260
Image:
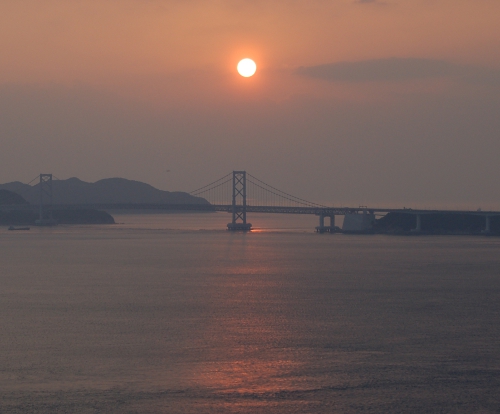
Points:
x=239, y=193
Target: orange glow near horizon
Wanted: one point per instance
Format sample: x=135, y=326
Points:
x=185, y=53
x=96, y=41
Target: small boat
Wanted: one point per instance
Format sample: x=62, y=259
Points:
x=18, y=228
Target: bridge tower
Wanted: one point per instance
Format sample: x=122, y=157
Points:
x=45, y=196
x=239, y=203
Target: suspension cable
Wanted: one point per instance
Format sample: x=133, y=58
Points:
x=282, y=192
x=290, y=198
x=208, y=185
x=258, y=192
x=36, y=178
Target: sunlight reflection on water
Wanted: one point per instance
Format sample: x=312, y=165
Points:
x=138, y=317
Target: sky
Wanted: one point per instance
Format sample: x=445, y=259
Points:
x=355, y=102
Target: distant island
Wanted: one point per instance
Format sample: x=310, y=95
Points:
x=29, y=217
x=75, y=191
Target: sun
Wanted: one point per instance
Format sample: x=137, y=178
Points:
x=246, y=67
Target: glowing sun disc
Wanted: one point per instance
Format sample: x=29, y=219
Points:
x=246, y=67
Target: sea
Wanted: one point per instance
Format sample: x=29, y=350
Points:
x=171, y=313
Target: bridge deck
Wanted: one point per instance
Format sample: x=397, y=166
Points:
x=325, y=211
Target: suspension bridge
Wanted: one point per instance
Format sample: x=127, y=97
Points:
x=240, y=193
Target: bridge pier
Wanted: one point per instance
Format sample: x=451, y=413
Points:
x=239, y=226
x=326, y=229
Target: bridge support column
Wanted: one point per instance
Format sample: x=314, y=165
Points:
x=321, y=227
x=487, y=228
x=239, y=206
x=418, y=227
x=332, y=224
x=326, y=229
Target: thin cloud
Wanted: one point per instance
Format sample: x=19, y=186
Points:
x=398, y=69
x=391, y=69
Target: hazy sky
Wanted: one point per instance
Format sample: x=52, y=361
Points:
x=383, y=103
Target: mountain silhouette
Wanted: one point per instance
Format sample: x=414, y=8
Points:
x=106, y=191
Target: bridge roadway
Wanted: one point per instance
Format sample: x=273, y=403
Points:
x=319, y=211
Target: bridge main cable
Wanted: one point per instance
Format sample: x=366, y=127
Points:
x=284, y=195
x=209, y=186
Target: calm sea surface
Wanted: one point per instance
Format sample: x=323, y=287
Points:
x=173, y=314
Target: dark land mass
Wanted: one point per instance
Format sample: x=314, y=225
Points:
x=74, y=191
x=107, y=191
x=28, y=217
x=439, y=223
x=11, y=198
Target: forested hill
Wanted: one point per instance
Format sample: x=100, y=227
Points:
x=110, y=190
